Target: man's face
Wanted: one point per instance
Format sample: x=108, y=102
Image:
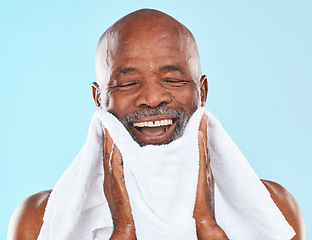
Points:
x=154, y=87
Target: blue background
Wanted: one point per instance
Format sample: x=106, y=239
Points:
x=257, y=56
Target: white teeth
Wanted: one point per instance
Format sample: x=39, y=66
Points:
x=164, y=122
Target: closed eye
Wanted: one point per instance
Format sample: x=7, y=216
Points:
x=178, y=82
x=122, y=86
x=126, y=84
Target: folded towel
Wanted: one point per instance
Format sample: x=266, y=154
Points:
x=161, y=183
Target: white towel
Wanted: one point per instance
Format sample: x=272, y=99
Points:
x=161, y=183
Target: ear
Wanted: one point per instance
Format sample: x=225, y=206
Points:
x=203, y=90
x=96, y=93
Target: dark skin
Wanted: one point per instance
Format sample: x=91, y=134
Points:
x=115, y=191
x=149, y=70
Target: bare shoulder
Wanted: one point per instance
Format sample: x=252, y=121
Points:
x=27, y=220
x=288, y=206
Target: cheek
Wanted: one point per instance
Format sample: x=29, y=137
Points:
x=188, y=97
x=119, y=104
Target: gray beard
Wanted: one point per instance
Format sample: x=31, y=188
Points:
x=182, y=120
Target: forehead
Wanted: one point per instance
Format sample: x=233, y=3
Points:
x=149, y=43
x=147, y=38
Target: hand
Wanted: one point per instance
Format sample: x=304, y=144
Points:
x=204, y=212
x=115, y=191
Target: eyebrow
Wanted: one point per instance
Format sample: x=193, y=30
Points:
x=172, y=68
x=125, y=70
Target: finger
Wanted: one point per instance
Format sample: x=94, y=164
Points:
x=107, y=150
x=202, y=172
x=116, y=162
x=200, y=208
x=210, y=194
x=118, y=175
x=205, y=178
x=206, y=171
x=113, y=161
x=203, y=126
x=107, y=145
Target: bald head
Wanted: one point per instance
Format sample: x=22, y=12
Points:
x=149, y=29
x=148, y=70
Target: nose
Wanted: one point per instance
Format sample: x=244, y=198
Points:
x=153, y=95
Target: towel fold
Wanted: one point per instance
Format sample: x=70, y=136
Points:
x=161, y=183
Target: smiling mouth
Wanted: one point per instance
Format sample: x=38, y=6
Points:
x=154, y=131
x=153, y=128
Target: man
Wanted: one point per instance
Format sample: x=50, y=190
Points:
x=149, y=77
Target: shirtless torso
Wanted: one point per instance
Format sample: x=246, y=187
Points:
x=27, y=219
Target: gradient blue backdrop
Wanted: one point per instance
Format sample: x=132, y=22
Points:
x=257, y=56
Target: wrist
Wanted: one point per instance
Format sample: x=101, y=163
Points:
x=124, y=232
x=207, y=229
x=122, y=236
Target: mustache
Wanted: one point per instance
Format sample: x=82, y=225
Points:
x=147, y=112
